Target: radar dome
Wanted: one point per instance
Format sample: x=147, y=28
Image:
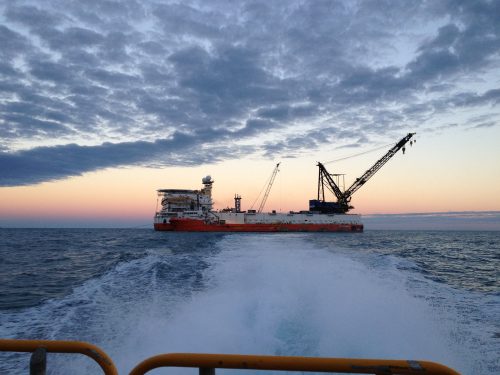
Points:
x=207, y=180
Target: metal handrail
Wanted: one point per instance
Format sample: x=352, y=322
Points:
x=207, y=363
x=306, y=364
x=59, y=346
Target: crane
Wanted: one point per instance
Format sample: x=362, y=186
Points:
x=343, y=198
x=268, y=189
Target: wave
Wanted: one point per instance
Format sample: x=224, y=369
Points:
x=251, y=294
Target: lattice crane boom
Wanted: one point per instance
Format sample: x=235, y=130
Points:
x=379, y=164
x=331, y=185
x=343, y=198
x=268, y=189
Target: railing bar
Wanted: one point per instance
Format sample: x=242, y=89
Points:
x=207, y=363
x=207, y=371
x=38, y=362
x=59, y=346
x=303, y=364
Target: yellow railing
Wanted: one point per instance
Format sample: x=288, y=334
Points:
x=57, y=346
x=207, y=363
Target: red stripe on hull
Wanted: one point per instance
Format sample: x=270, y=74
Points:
x=187, y=225
x=163, y=227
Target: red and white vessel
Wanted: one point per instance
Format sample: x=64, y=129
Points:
x=191, y=211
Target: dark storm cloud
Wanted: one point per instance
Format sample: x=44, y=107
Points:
x=49, y=163
x=233, y=75
x=32, y=16
x=12, y=42
x=7, y=70
x=293, y=145
x=286, y=112
x=33, y=126
x=106, y=77
x=470, y=99
x=71, y=38
x=256, y=126
x=290, y=147
x=49, y=71
x=462, y=100
x=182, y=19
x=196, y=77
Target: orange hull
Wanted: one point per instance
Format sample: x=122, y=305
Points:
x=190, y=225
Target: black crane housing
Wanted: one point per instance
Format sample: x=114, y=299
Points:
x=342, y=205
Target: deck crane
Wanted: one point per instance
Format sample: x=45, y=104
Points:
x=343, y=198
x=268, y=189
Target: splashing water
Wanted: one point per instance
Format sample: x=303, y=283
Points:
x=256, y=294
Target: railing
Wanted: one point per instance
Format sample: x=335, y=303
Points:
x=38, y=347
x=207, y=363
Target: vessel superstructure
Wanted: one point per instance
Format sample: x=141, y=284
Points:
x=183, y=203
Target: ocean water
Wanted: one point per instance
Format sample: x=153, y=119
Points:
x=136, y=293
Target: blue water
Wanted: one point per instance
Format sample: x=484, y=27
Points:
x=137, y=293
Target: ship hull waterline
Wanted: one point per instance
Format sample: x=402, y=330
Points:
x=201, y=226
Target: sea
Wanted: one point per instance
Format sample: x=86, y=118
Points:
x=428, y=295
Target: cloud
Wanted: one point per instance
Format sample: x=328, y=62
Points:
x=32, y=16
x=113, y=83
x=286, y=112
x=50, y=163
x=12, y=43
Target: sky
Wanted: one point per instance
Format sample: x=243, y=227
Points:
x=103, y=102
